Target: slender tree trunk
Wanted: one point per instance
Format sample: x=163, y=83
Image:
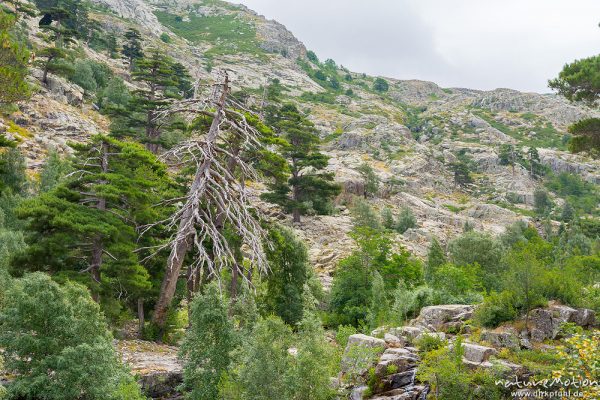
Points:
x=186, y=229
x=98, y=246
x=296, y=197
x=141, y=317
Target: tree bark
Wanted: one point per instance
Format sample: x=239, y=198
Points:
x=186, y=230
x=98, y=246
x=141, y=317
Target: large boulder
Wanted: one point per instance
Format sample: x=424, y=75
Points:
x=439, y=318
x=545, y=323
x=361, y=353
x=502, y=339
x=477, y=353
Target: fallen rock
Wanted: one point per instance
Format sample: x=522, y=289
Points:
x=408, y=332
x=545, y=323
x=476, y=353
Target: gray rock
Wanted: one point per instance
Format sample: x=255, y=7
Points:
x=358, y=393
x=476, y=353
x=505, y=339
x=408, y=332
x=436, y=317
x=393, y=341
x=366, y=341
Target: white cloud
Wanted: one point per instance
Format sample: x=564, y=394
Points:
x=469, y=43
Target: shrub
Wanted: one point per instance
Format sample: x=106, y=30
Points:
x=381, y=85
x=207, y=345
x=406, y=220
x=496, y=309
x=343, y=333
x=429, y=342
x=60, y=329
x=165, y=38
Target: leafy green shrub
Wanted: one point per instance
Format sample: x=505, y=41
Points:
x=343, y=333
x=381, y=85
x=406, y=220
x=207, y=345
x=90, y=75
x=165, y=38
x=59, y=329
x=429, y=342
x=496, y=309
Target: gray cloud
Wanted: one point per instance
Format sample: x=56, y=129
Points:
x=467, y=43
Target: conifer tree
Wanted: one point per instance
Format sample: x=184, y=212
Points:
x=86, y=228
x=132, y=49
x=308, y=188
x=161, y=86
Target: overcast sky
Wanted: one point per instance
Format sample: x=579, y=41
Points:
x=479, y=44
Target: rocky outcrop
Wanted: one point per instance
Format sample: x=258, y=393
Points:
x=395, y=371
x=134, y=10
x=443, y=317
x=275, y=38
x=501, y=339
x=545, y=323
x=157, y=367
x=476, y=353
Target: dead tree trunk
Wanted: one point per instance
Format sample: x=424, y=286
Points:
x=186, y=225
x=216, y=197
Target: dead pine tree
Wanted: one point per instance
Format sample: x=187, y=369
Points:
x=216, y=197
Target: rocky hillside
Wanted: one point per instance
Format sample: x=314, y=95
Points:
x=410, y=134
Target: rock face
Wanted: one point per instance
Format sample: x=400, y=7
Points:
x=395, y=371
x=546, y=322
x=476, y=353
x=440, y=318
x=275, y=38
x=135, y=10
x=502, y=339
x=157, y=366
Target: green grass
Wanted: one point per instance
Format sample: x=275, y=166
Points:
x=229, y=34
x=546, y=135
x=454, y=209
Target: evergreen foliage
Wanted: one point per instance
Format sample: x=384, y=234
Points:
x=89, y=223
x=309, y=189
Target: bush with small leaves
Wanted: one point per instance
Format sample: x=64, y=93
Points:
x=60, y=329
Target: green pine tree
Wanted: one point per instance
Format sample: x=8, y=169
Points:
x=132, y=49
x=139, y=119
x=90, y=222
x=309, y=188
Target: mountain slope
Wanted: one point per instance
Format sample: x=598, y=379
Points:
x=410, y=134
